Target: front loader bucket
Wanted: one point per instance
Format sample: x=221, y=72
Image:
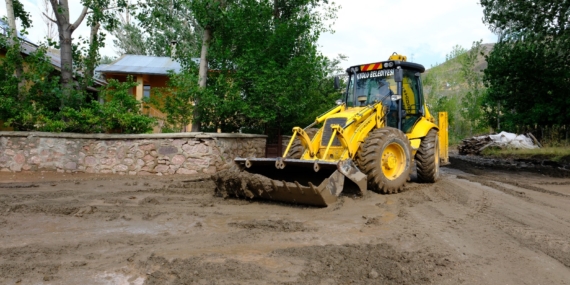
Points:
x=291, y=180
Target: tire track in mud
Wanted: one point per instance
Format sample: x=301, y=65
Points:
x=13, y=185
x=492, y=184
x=550, y=244
x=553, y=245
x=534, y=188
x=499, y=184
x=273, y=226
x=429, y=216
x=195, y=192
x=194, y=188
x=554, y=183
x=43, y=209
x=426, y=211
x=17, y=197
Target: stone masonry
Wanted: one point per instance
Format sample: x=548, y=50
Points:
x=158, y=154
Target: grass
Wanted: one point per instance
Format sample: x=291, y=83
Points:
x=558, y=154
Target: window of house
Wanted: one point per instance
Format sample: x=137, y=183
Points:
x=146, y=91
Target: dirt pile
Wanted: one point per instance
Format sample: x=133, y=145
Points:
x=472, y=164
x=199, y=271
x=240, y=184
x=330, y=264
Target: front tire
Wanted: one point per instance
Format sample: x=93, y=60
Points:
x=385, y=157
x=427, y=158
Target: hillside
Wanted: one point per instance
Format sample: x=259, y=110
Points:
x=446, y=89
x=451, y=66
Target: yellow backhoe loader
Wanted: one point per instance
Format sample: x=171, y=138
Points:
x=372, y=136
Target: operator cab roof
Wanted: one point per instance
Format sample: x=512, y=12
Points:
x=389, y=64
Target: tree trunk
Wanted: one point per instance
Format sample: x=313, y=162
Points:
x=11, y=21
x=91, y=60
x=66, y=55
x=13, y=40
x=202, y=74
x=275, y=9
x=65, y=29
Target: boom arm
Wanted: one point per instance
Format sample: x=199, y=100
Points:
x=305, y=140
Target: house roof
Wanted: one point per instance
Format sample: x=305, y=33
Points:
x=142, y=64
x=53, y=55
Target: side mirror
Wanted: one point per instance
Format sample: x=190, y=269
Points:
x=399, y=75
x=336, y=83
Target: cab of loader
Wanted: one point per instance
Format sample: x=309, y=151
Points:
x=386, y=82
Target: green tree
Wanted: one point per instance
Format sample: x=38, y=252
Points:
x=529, y=82
x=24, y=106
x=222, y=105
x=269, y=49
x=264, y=67
x=129, y=39
x=176, y=99
x=121, y=112
x=527, y=76
x=323, y=95
x=537, y=17
x=160, y=23
x=472, y=100
x=73, y=58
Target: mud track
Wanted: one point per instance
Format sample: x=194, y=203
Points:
x=474, y=226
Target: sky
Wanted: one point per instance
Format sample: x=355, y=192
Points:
x=365, y=30
x=425, y=31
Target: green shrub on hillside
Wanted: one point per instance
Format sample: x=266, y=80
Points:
x=456, y=86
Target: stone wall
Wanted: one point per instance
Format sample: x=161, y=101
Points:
x=159, y=154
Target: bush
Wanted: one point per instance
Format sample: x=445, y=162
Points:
x=33, y=100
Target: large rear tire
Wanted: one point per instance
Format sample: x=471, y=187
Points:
x=427, y=158
x=297, y=148
x=385, y=157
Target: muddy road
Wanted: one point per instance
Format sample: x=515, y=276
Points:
x=471, y=227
